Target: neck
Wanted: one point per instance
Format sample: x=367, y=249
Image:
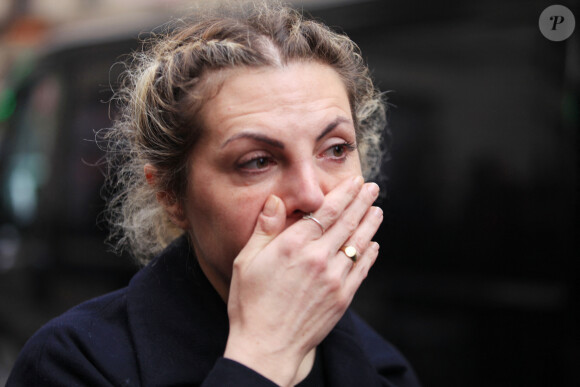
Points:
x=219, y=283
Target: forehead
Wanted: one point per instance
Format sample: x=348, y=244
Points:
x=294, y=95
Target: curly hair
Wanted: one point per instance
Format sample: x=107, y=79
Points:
x=165, y=86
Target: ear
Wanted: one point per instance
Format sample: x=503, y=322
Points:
x=170, y=203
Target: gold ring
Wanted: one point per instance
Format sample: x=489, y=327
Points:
x=350, y=251
x=311, y=217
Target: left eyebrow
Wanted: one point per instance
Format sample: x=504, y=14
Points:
x=330, y=127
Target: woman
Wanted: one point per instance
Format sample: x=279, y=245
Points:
x=239, y=155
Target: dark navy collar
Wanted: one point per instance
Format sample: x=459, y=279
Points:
x=179, y=326
x=178, y=321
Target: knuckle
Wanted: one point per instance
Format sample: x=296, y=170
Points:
x=286, y=249
x=332, y=211
x=318, y=263
x=357, y=242
x=334, y=285
x=350, y=224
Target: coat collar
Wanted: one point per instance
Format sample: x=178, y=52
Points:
x=350, y=361
x=178, y=321
x=179, y=327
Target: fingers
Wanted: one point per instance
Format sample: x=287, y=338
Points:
x=368, y=227
x=360, y=270
x=270, y=223
x=349, y=221
x=334, y=204
x=361, y=241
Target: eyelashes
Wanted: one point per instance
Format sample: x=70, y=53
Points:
x=261, y=161
x=256, y=163
x=340, y=151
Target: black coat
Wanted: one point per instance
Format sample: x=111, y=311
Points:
x=169, y=328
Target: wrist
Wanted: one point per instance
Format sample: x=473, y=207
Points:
x=278, y=365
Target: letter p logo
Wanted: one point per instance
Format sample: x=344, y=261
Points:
x=557, y=20
x=557, y=23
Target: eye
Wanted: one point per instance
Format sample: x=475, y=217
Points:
x=339, y=151
x=256, y=163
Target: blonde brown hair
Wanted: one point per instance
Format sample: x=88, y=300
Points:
x=166, y=85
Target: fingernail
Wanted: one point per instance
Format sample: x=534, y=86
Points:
x=373, y=189
x=358, y=181
x=270, y=206
x=378, y=212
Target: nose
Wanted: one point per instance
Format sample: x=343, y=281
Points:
x=302, y=189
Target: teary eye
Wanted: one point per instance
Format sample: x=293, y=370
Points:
x=257, y=163
x=339, y=151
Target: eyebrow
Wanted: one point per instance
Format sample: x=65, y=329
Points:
x=256, y=137
x=330, y=127
x=277, y=144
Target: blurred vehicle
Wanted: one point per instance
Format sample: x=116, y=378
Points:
x=52, y=250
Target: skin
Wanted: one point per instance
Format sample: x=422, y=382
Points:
x=279, y=143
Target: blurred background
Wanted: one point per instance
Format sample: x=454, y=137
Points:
x=476, y=282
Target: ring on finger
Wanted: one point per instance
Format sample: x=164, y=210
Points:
x=350, y=252
x=311, y=217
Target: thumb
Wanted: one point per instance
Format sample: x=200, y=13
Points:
x=270, y=223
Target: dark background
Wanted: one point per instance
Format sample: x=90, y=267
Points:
x=475, y=282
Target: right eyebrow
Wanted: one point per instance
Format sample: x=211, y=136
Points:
x=330, y=127
x=256, y=137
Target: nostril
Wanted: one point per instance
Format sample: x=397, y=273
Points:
x=297, y=214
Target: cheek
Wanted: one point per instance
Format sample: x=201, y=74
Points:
x=241, y=217
x=332, y=179
x=223, y=219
